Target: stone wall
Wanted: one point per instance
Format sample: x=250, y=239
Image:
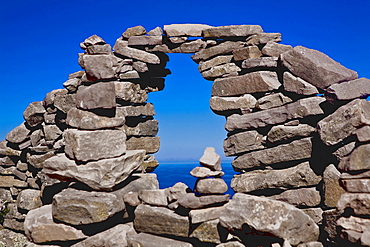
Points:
x=77, y=171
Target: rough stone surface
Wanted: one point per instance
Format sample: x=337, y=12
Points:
x=98, y=95
x=133, y=31
x=260, y=81
x=358, y=160
x=269, y=216
x=99, y=66
x=294, y=177
x=356, y=185
x=34, y=113
x=203, y=172
x=135, y=111
x=223, y=48
x=363, y=134
x=295, y=150
x=331, y=187
x=206, y=214
x=144, y=40
x=245, y=102
x=272, y=100
x=190, y=47
x=214, y=62
x=231, y=31
x=211, y=159
x=65, y=102
x=191, y=201
x=9, y=238
x=264, y=62
x=207, y=232
x=246, y=53
x=323, y=71
x=149, y=240
x=299, y=109
x=283, y=133
x=154, y=197
x=128, y=91
x=220, y=70
x=137, y=54
x=10, y=181
x=19, y=134
x=297, y=85
x=192, y=30
x=176, y=191
x=304, y=197
x=147, y=128
x=29, y=199
x=210, y=186
x=273, y=49
x=243, y=142
x=358, y=202
x=231, y=244
x=359, y=88
x=149, y=144
x=84, y=145
x=343, y=151
x=263, y=38
x=315, y=214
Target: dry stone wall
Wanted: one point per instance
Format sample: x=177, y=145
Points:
x=77, y=171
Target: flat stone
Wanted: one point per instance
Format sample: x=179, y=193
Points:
x=323, y=71
x=83, y=145
x=332, y=190
x=156, y=32
x=365, y=238
x=7, y=152
x=99, y=175
x=364, y=174
x=147, y=128
x=363, y=134
x=207, y=232
x=260, y=81
x=192, y=30
x=190, y=47
x=77, y=207
x=282, y=133
x=201, y=215
x=19, y=134
x=358, y=202
x=135, y=111
x=10, y=181
x=191, y=201
x=96, y=96
x=149, y=144
x=295, y=150
x=294, y=177
x=231, y=31
x=343, y=151
x=40, y=227
x=133, y=31
x=269, y=216
x=128, y=91
x=144, y=40
x=87, y=120
x=99, y=67
x=5, y=195
x=208, y=186
x=357, y=160
x=350, y=235
x=245, y=102
x=149, y=240
x=178, y=40
x=99, y=50
x=311, y=244
x=354, y=223
x=13, y=224
x=263, y=38
x=221, y=49
x=303, y=197
x=29, y=199
x=272, y=100
x=243, y=142
x=137, y=54
x=356, y=185
x=273, y=49
x=214, y=62
x=297, y=85
x=260, y=62
x=77, y=74
x=359, y=88
x=132, y=199
x=220, y=70
x=211, y=159
x=160, y=220
x=140, y=66
x=246, y=53
x=315, y=214
x=299, y=109
x=36, y=160
x=65, y=102
x=203, y=172
x=34, y=113
x=154, y=197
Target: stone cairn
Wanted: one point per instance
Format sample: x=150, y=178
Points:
x=77, y=171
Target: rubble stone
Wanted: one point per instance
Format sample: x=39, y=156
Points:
x=283, y=133
x=272, y=100
x=149, y=144
x=231, y=31
x=98, y=95
x=211, y=159
x=149, y=240
x=192, y=30
x=243, y=142
x=297, y=85
x=303, y=197
x=359, y=88
x=210, y=186
x=245, y=102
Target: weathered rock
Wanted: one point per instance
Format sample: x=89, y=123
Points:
x=132, y=199
x=51, y=132
x=294, y=177
x=269, y=216
x=34, y=113
x=40, y=227
x=220, y=70
x=246, y=53
x=283, y=133
x=147, y=128
x=273, y=49
x=191, y=201
x=231, y=244
x=99, y=66
x=135, y=111
x=156, y=32
x=140, y=66
x=99, y=50
x=296, y=150
x=160, y=220
x=354, y=223
x=144, y=40
x=29, y=199
x=211, y=159
x=297, y=85
x=231, y=31
x=207, y=231
x=72, y=84
x=128, y=91
x=343, y=151
x=363, y=134
x=192, y=30
x=178, y=39
x=359, y=88
x=203, y=172
x=315, y=214
x=331, y=187
x=99, y=175
x=210, y=186
x=299, y=109
x=264, y=62
x=356, y=185
x=358, y=160
x=311, y=244
x=365, y=238
x=149, y=240
x=98, y=95
x=176, y=191
x=10, y=181
x=65, y=102
x=358, y=202
x=36, y=160
x=206, y=214
x=214, y=62
x=12, y=239
x=90, y=121
x=263, y=38
x=272, y=100
x=5, y=195
x=323, y=71
x=154, y=197
x=260, y=81
x=93, y=40
x=77, y=74
x=137, y=54
x=350, y=235
x=221, y=49
x=133, y=31
x=190, y=47
x=330, y=218
x=77, y=207
x=243, y=142
x=245, y=102
x=13, y=224
x=149, y=144
x=83, y=145
x=19, y=134
x=304, y=197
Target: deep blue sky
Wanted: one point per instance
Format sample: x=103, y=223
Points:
x=40, y=41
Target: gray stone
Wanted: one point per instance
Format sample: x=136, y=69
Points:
x=137, y=54
x=245, y=102
x=176, y=191
x=132, y=199
x=363, y=134
x=144, y=40
x=9, y=238
x=269, y=216
x=154, y=197
x=83, y=145
x=246, y=53
x=214, y=62
x=353, y=224
x=330, y=218
x=359, y=88
x=356, y=185
x=65, y=102
x=77, y=74
x=209, y=186
x=149, y=240
x=99, y=66
x=264, y=62
x=358, y=160
x=34, y=113
x=147, y=128
x=273, y=49
x=13, y=224
x=10, y=181
x=283, y=133
x=220, y=70
x=140, y=66
x=133, y=31
x=99, y=175
x=50, y=97
x=93, y=40
x=332, y=190
x=243, y=142
x=231, y=244
x=272, y=100
x=36, y=160
x=297, y=85
x=160, y=220
x=263, y=38
x=201, y=215
x=350, y=235
x=192, y=30
x=7, y=151
x=294, y=177
x=128, y=91
x=178, y=40
x=156, y=32
x=134, y=111
x=51, y=132
x=365, y=238
x=77, y=207
x=303, y=197
x=231, y=31
x=19, y=134
x=29, y=199
x=260, y=81
x=311, y=244
x=343, y=151
x=211, y=159
x=191, y=201
x=299, y=109
x=207, y=232
x=315, y=214
x=358, y=202
x=190, y=47
x=40, y=227
x=99, y=50
x=203, y=172
x=295, y=150
x=149, y=144
x=323, y=71
x=129, y=75
x=221, y=49
x=5, y=195
x=96, y=96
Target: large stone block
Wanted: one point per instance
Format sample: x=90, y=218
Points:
x=128, y=91
x=207, y=232
x=273, y=49
x=83, y=145
x=260, y=81
x=34, y=113
x=243, y=142
x=19, y=134
x=296, y=150
x=220, y=70
x=323, y=71
x=299, y=109
x=137, y=54
x=147, y=128
x=269, y=216
x=297, y=85
x=149, y=144
x=358, y=160
x=135, y=111
x=95, y=96
x=283, y=133
x=205, y=214
x=231, y=31
x=245, y=103
x=221, y=49
x=294, y=177
x=29, y=199
x=358, y=202
x=303, y=197
x=359, y=88
x=192, y=30
x=99, y=66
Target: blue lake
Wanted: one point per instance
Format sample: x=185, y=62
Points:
x=170, y=173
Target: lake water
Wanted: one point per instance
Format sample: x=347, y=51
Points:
x=170, y=173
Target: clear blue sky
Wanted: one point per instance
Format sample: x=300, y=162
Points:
x=40, y=41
